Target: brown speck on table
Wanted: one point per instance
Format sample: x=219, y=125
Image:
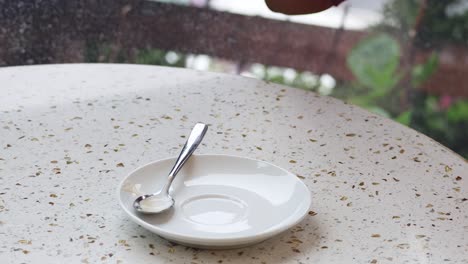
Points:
x=25, y=242
x=448, y=169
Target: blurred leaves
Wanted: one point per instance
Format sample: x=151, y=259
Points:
x=420, y=73
x=404, y=118
x=447, y=126
x=151, y=57
x=444, y=21
x=160, y=57
x=95, y=52
x=374, y=62
x=105, y=53
x=380, y=111
x=401, y=14
x=302, y=80
x=458, y=112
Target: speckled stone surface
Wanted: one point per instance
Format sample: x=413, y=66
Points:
x=382, y=193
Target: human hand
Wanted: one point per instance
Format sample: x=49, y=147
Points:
x=300, y=7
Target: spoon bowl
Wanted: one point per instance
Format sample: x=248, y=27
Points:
x=153, y=203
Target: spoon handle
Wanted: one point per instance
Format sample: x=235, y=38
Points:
x=196, y=136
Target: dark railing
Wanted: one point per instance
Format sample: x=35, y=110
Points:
x=55, y=31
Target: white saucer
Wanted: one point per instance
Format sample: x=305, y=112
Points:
x=220, y=201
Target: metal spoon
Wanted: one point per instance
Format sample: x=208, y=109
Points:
x=161, y=201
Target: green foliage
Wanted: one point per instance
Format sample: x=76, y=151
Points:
x=420, y=73
x=442, y=24
x=159, y=57
x=374, y=62
x=449, y=126
x=301, y=80
x=151, y=57
x=379, y=110
x=443, y=21
x=458, y=112
x=401, y=14
x=404, y=118
x=103, y=52
x=95, y=52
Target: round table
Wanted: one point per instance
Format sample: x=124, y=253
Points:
x=381, y=192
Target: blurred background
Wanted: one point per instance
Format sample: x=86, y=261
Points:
x=403, y=59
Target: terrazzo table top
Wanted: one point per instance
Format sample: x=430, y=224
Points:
x=381, y=193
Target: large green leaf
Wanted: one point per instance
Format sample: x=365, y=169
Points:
x=374, y=62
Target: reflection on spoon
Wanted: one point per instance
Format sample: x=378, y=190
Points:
x=155, y=204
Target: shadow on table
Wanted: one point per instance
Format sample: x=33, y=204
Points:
x=295, y=244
